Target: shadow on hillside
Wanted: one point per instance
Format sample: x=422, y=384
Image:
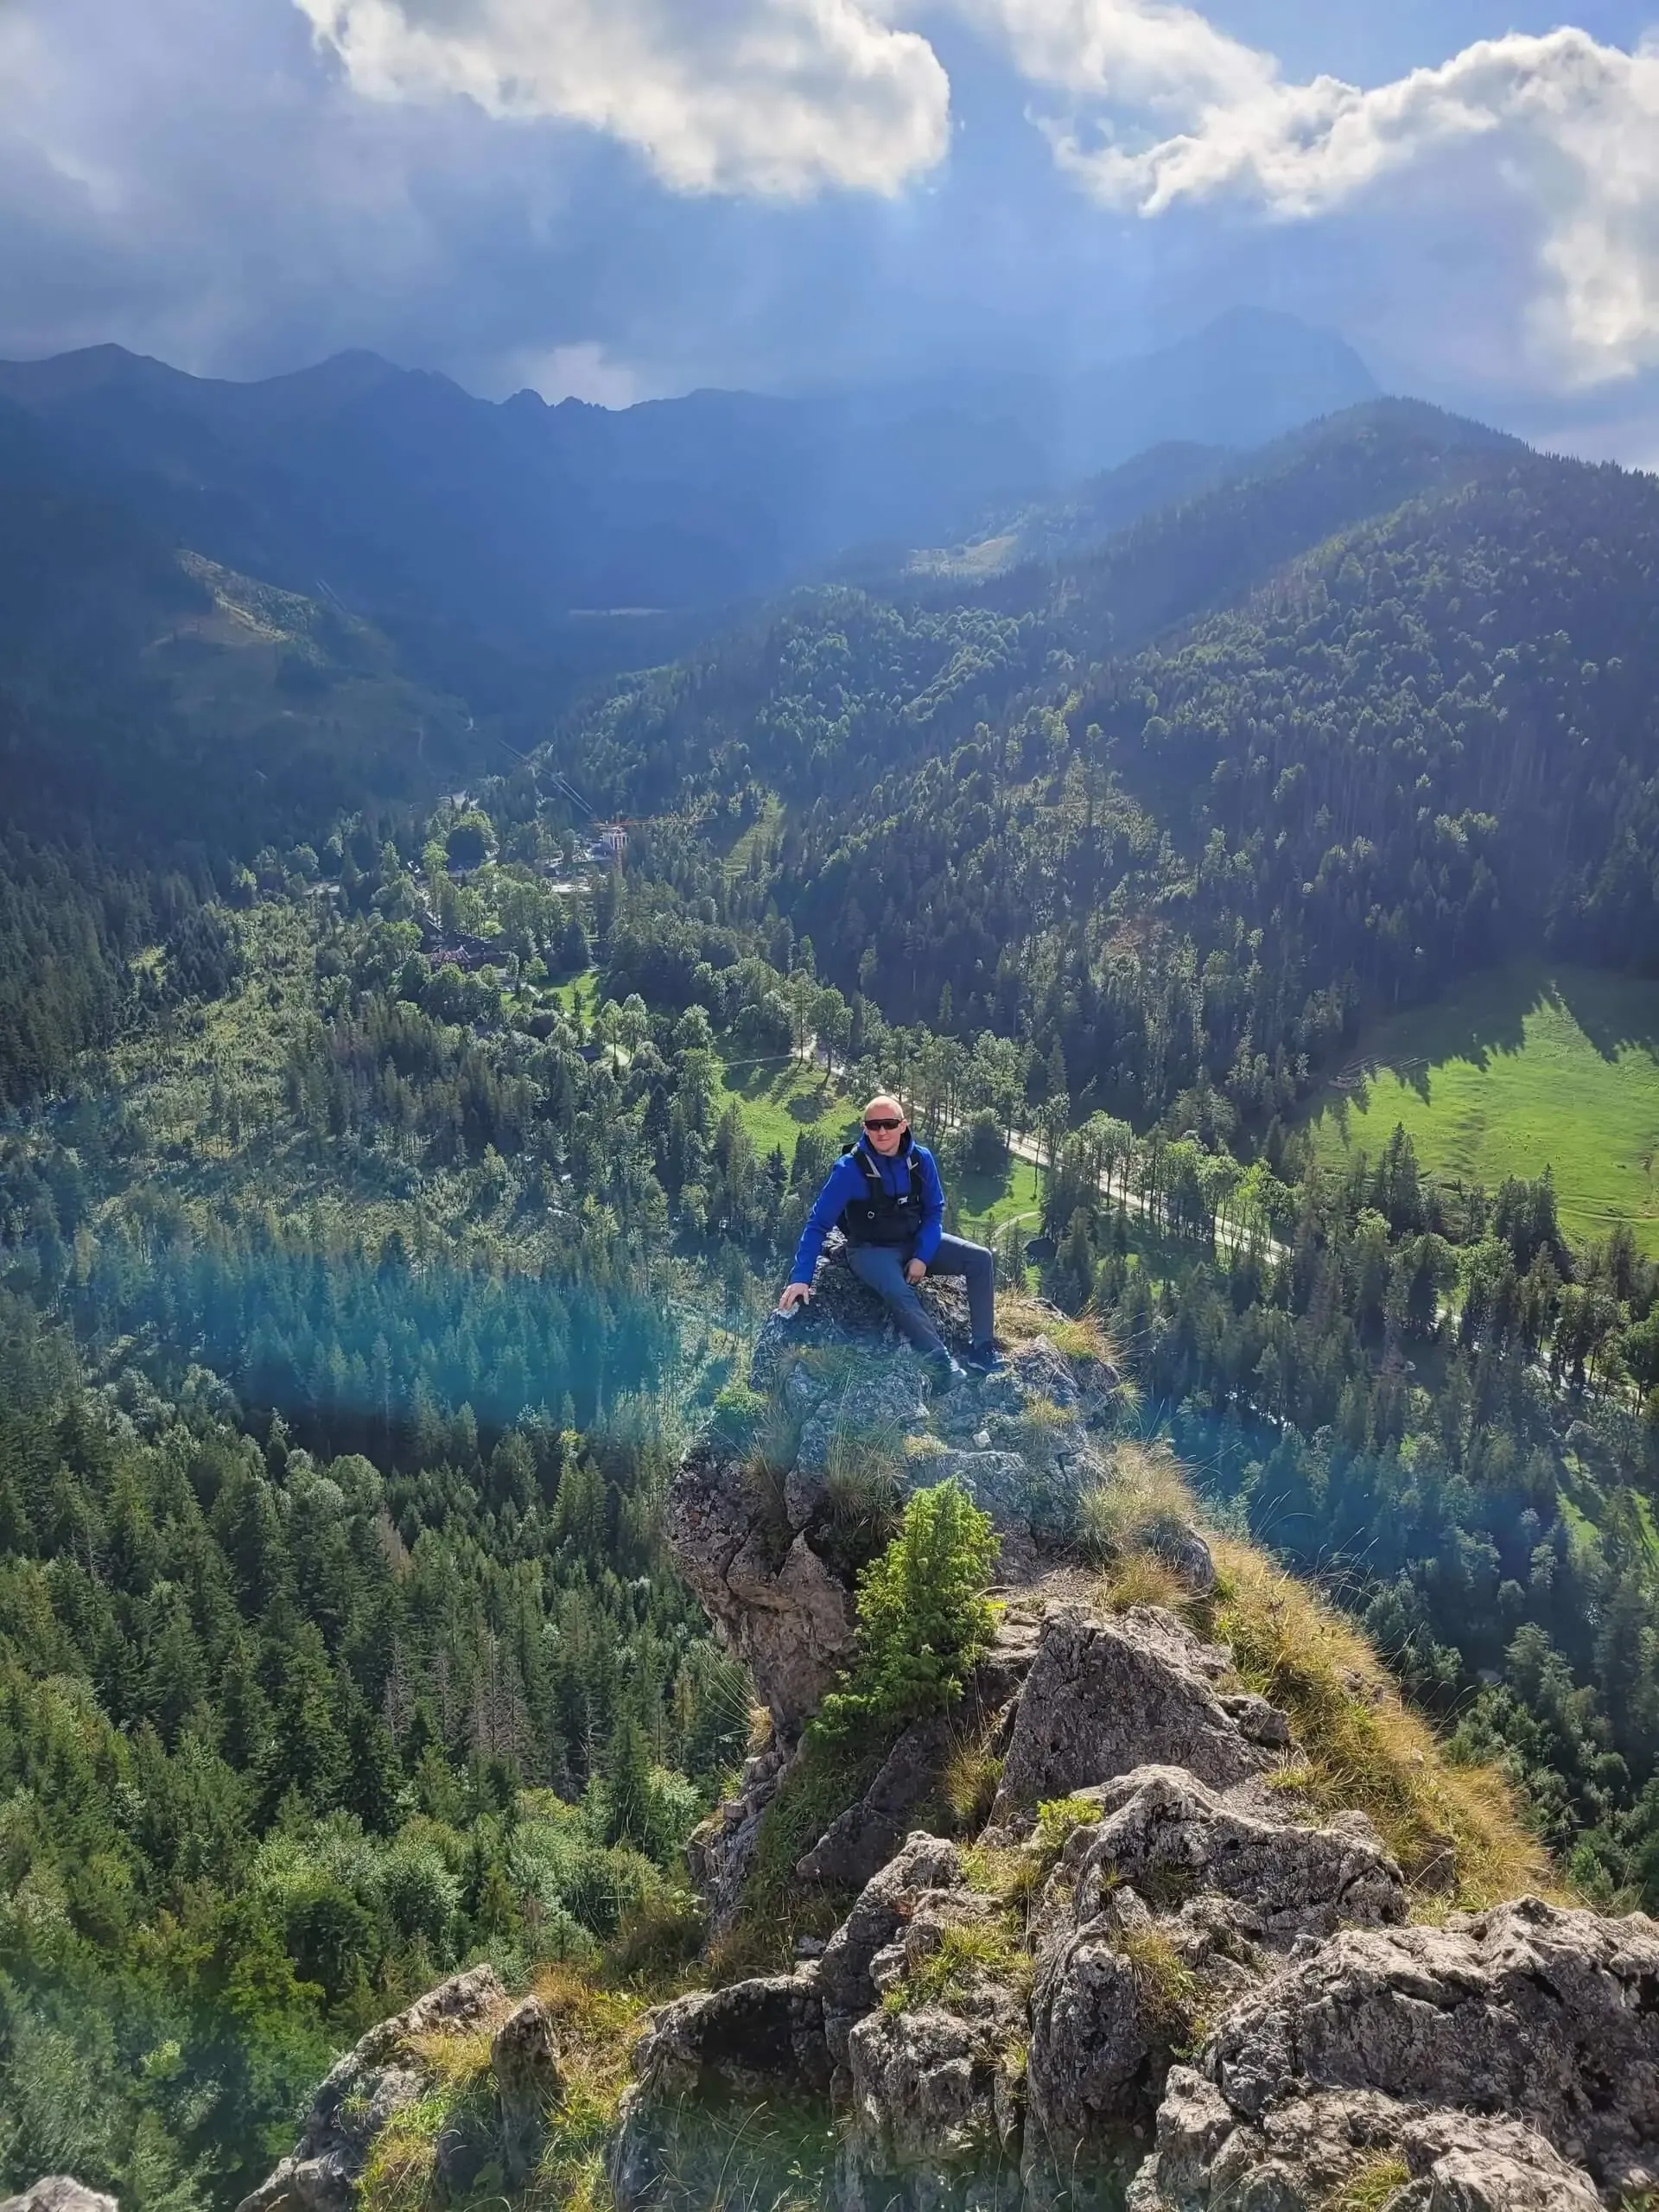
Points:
x=1618, y=1013
x=1484, y=1021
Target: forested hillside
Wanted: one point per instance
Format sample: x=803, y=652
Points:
x=1414, y=747
x=392, y=1176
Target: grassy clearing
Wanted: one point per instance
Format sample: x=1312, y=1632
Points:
x=780, y=1097
x=1526, y=1068
x=580, y=995
x=987, y=1202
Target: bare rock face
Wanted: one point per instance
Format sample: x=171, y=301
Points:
x=379, y=2076
x=762, y=1550
x=779, y=1608
x=925, y=1865
x=1171, y=1905
x=752, y=2037
x=59, y=2193
x=756, y=2041
x=1107, y=1695
x=1322, y=2150
x=720, y=1852
x=1161, y=1832
x=524, y=2060
x=931, y=2081
x=933, y=2119
x=865, y=1837
x=1544, y=2019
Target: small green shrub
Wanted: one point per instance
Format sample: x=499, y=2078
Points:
x=1058, y=1818
x=735, y=1422
x=922, y=1618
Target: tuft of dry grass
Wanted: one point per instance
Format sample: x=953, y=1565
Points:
x=1143, y=1498
x=1020, y=1320
x=1167, y=1987
x=1374, y=2187
x=1454, y=1830
x=864, y=1482
x=1143, y=1578
x=968, y=1785
x=1082, y=1337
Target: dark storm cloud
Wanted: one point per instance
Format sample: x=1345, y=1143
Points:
x=628, y=196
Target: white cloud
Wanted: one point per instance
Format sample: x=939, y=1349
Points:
x=1163, y=108
x=583, y=370
x=778, y=98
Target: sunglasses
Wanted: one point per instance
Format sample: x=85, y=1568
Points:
x=881, y=1121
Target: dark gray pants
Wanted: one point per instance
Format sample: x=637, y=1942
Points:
x=882, y=1266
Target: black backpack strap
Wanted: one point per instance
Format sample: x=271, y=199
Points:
x=872, y=1184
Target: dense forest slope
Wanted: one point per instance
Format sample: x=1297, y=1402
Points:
x=1402, y=750
x=161, y=718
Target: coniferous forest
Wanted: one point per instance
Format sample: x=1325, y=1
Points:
x=390, y=1184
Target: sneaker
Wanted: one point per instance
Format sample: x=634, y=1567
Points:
x=983, y=1359
x=943, y=1371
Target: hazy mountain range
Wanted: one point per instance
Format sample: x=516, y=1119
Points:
x=400, y=496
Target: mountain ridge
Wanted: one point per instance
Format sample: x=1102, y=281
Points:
x=420, y=501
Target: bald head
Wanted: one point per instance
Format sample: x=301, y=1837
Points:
x=884, y=1107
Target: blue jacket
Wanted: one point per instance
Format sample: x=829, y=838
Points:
x=846, y=1182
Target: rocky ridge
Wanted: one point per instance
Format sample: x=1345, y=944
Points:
x=1152, y=1969
x=1156, y=1977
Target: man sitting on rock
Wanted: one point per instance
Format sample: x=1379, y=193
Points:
x=885, y=1196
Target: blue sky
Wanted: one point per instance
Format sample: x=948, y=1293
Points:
x=629, y=197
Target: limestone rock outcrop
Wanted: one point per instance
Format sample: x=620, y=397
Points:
x=1348, y=2146
x=925, y=1866
x=1168, y=1909
x=1105, y=1696
x=758, y=2042
x=1529, y=2013
x=379, y=2076
x=389, y=2070
x=58, y=2193
x=525, y=2061
x=1176, y=1989
x=862, y=1840
x=780, y=1609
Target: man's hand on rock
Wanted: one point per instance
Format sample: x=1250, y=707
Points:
x=795, y=1293
x=915, y=1271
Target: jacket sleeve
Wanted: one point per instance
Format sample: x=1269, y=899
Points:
x=843, y=1182
x=932, y=1208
